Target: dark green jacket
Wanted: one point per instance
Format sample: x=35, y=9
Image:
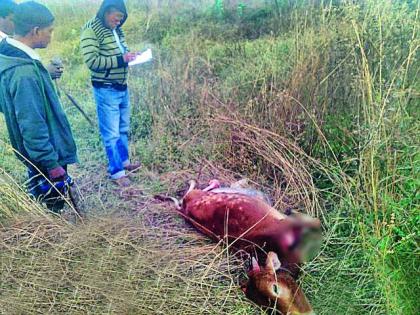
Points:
x=99, y=47
x=37, y=125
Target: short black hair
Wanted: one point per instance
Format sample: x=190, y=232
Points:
x=113, y=8
x=7, y=7
x=29, y=15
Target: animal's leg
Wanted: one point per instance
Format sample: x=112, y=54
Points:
x=193, y=184
x=214, y=183
x=168, y=198
x=243, y=183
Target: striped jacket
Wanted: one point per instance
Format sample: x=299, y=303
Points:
x=102, y=54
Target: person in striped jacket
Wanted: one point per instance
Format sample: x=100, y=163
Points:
x=106, y=54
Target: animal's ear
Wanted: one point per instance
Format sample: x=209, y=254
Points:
x=273, y=261
x=254, y=265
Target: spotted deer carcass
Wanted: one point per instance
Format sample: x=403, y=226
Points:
x=247, y=222
x=245, y=219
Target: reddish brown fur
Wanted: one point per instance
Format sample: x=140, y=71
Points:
x=289, y=299
x=247, y=222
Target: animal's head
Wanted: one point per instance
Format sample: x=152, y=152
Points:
x=271, y=287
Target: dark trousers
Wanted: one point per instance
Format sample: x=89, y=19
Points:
x=39, y=187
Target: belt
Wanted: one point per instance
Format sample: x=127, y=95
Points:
x=117, y=86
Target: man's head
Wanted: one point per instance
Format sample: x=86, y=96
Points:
x=113, y=17
x=34, y=22
x=112, y=13
x=7, y=8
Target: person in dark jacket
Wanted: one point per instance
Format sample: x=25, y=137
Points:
x=7, y=7
x=38, y=127
x=106, y=54
x=7, y=28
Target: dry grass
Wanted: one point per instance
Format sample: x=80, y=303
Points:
x=149, y=263
x=287, y=168
x=351, y=74
x=13, y=200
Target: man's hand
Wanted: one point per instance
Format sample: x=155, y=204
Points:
x=55, y=68
x=129, y=57
x=57, y=174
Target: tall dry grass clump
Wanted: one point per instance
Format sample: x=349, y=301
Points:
x=285, y=167
x=13, y=199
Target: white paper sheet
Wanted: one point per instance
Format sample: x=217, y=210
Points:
x=142, y=58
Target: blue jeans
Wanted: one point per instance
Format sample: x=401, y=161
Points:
x=113, y=107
